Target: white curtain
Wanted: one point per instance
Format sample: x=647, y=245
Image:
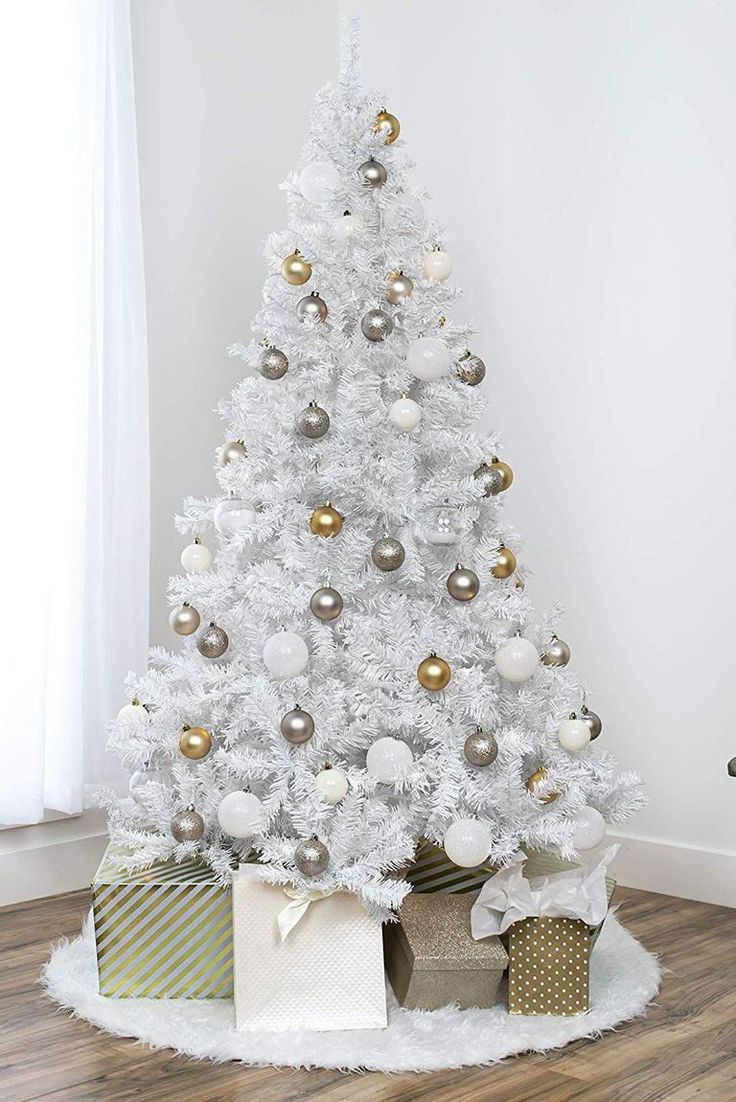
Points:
x=74, y=444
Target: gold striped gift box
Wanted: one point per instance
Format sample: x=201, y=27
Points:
x=164, y=932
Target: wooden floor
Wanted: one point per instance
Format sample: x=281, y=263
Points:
x=684, y=1049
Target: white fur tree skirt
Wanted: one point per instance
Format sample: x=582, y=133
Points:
x=624, y=979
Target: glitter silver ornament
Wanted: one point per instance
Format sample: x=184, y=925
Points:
x=311, y=308
x=326, y=603
x=213, y=642
x=233, y=450
x=311, y=857
x=463, y=584
x=471, y=369
x=376, y=325
x=184, y=620
x=274, y=364
x=398, y=287
x=187, y=825
x=388, y=554
x=313, y=421
x=557, y=653
x=297, y=726
x=372, y=173
x=490, y=479
x=592, y=721
x=480, y=748
x=731, y=767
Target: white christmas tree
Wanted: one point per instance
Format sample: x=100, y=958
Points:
x=374, y=671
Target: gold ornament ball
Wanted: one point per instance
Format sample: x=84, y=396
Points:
x=387, y=125
x=326, y=521
x=463, y=584
x=296, y=270
x=505, y=471
x=434, y=673
x=505, y=563
x=539, y=776
x=195, y=743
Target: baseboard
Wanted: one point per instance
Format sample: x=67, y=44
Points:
x=51, y=857
x=675, y=869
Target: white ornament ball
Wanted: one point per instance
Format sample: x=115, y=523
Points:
x=388, y=759
x=133, y=713
x=240, y=814
x=428, y=358
x=405, y=414
x=346, y=227
x=285, y=654
x=319, y=181
x=232, y=514
x=467, y=842
x=436, y=265
x=332, y=784
x=517, y=659
x=573, y=734
x=196, y=557
x=589, y=827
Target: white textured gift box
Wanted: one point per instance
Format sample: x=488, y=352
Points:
x=326, y=974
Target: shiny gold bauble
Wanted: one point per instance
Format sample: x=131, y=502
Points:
x=505, y=563
x=195, y=743
x=296, y=270
x=325, y=521
x=505, y=471
x=388, y=126
x=434, y=673
x=539, y=776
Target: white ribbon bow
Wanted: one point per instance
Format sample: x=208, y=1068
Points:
x=296, y=908
x=508, y=896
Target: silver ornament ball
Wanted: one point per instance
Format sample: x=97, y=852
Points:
x=463, y=584
x=311, y=308
x=313, y=422
x=490, y=479
x=557, y=653
x=213, y=642
x=480, y=748
x=311, y=857
x=388, y=553
x=471, y=369
x=398, y=287
x=187, y=825
x=297, y=726
x=592, y=721
x=376, y=325
x=184, y=620
x=326, y=603
x=274, y=364
x=232, y=451
x=372, y=173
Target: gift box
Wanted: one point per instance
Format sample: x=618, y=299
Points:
x=311, y=961
x=433, y=871
x=163, y=933
x=540, y=863
x=432, y=960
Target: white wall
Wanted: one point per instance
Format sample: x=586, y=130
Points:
x=583, y=156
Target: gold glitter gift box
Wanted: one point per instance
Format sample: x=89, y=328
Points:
x=164, y=932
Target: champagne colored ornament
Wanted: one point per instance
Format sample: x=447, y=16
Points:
x=428, y=358
x=463, y=584
x=135, y=712
x=537, y=780
x=373, y=174
x=388, y=759
x=142, y=780
x=471, y=370
x=326, y=603
x=311, y=308
x=240, y=814
x=325, y=521
x=489, y=480
x=213, y=642
x=573, y=734
x=516, y=660
x=442, y=526
x=557, y=653
x=187, y=825
x=387, y=126
x=331, y=783
x=376, y=325
x=319, y=182
x=285, y=654
x=231, y=452
x=274, y=364
x=436, y=265
x=196, y=557
x=347, y=227
x=313, y=422
x=388, y=554
x=195, y=743
x=434, y=673
x=481, y=748
x=505, y=563
x=467, y=843
x=297, y=726
x=232, y=514
x=505, y=471
x=405, y=414
x=592, y=721
x=398, y=287
x=296, y=270
x=589, y=828
x=184, y=620
x=311, y=857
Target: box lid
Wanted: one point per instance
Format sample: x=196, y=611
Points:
x=189, y=871
x=435, y=934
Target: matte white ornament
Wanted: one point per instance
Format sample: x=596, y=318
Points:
x=517, y=659
x=388, y=759
x=240, y=814
x=319, y=181
x=573, y=734
x=437, y=265
x=467, y=842
x=590, y=828
x=285, y=654
x=196, y=557
x=405, y=414
x=133, y=713
x=332, y=784
x=346, y=227
x=428, y=358
x=232, y=514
